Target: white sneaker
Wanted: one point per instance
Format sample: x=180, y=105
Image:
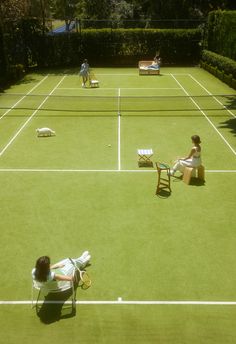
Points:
x=172, y=172
x=84, y=254
x=83, y=85
x=85, y=261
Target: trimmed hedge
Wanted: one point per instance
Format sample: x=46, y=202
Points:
x=122, y=47
x=220, y=66
x=221, y=33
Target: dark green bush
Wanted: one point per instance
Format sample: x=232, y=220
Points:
x=118, y=47
x=16, y=72
x=222, y=63
x=220, y=66
x=221, y=33
x=233, y=83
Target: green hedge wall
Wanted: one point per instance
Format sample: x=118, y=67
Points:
x=221, y=33
x=119, y=47
x=220, y=66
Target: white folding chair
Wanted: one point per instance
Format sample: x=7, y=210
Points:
x=53, y=287
x=144, y=157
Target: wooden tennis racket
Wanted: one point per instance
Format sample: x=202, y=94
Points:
x=84, y=279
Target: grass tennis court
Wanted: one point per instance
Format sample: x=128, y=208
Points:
x=172, y=260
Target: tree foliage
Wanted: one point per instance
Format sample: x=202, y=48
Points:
x=13, y=9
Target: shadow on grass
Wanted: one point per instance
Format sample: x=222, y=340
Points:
x=145, y=163
x=58, y=309
x=57, y=71
x=229, y=124
x=197, y=182
x=175, y=179
x=163, y=194
x=194, y=180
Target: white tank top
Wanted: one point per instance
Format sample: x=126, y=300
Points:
x=197, y=153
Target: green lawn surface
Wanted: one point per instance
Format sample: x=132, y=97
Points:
x=71, y=192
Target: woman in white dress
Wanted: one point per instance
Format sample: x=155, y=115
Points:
x=84, y=72
x=192, y=160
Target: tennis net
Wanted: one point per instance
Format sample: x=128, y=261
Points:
x=111, y=105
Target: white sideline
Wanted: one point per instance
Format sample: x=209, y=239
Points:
x=198, y=107
x=13, y=106
x=119, y=130
x=134, y=302
x=29, y=119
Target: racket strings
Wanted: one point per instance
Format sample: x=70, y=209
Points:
x=85, y=279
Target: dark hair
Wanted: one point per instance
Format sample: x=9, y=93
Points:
x=85, y=61
x=196, y=139
x=42, y=268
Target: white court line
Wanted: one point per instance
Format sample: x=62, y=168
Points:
x=53, y=170
x=119, y=130
x=217, y=100
x=136, y=74
x=135, y=302
x=29, y=119
x=226, y=142
x=123, y=88
x=13, y=106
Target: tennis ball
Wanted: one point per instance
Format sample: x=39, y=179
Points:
x=109, y=145
x=119, y=298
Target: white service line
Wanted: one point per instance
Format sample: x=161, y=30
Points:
x=225, y=141
x=136, y=74
x=53, y=170
x=217, y=100
x=13, y=106
x=124, y=88
x=123, y=302
x=29, y=119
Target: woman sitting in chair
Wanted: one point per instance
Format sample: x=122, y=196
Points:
x=192, y=160
x=44, y=275
x=156, y=63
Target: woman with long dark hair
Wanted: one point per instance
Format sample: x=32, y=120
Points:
x=59, y=274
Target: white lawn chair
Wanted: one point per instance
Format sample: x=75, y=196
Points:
x=53, y=287
x=93, y=80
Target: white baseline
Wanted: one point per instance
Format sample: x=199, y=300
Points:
x=123, y=302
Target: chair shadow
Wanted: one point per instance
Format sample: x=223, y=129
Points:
x=196, y=182
x=145, y=163
x=49, y=313
x=163, y=193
